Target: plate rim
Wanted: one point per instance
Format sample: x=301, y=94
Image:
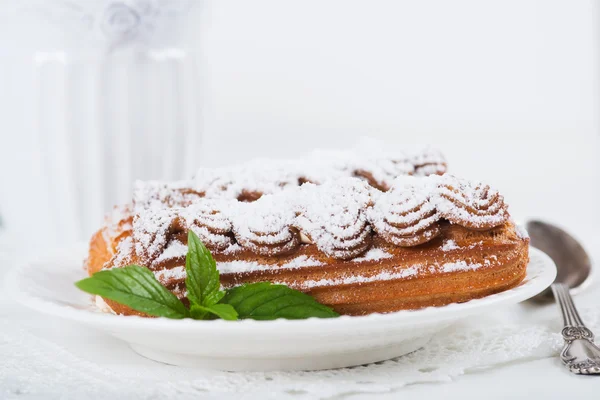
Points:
x=448, y=312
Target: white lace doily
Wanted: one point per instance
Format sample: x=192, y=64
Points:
x=37, y=364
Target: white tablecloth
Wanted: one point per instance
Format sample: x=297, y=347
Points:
x=512, y=352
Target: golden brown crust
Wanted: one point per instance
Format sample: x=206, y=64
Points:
x=477, y=264
x=120, y=309
x=103, y=244
x=501, y=254
x=99, y=253
x=426, y=291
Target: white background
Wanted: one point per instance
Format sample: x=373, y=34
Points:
x=509, y=90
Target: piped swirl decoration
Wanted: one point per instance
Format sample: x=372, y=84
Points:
x=208, y=220
x=335, y=220
x=265, y=228
x=153, y=194
x=339, y=217
x=152, y=229
x=472, y=205
x=409, y=214
x=405, y=216
x=155, y=229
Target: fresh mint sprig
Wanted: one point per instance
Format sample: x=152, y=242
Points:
x=137, y=287
x=264, y=301
x=203, y=283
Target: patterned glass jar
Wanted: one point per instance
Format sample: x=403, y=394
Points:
x=114, y=96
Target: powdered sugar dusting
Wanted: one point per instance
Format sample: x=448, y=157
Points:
x=352, y=279
x=521, y=231
x=333, y=216
x=265, y=176
x=373, y=254
x=392, y=274
x=117, y=220
x=409, y=212
x=172, y=273
x=175, y=249
x=155, y=194
x=239, y=266
x=470, y=204
x=406, y=215
x=336, y=216
x=460, y=266
x=232, y=267
x=449, y=245
x=265, y=226
x=124, y=250
x=150, y=229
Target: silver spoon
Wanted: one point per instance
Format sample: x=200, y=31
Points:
x=573, y=265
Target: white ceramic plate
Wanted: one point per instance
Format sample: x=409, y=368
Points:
x=47, y=286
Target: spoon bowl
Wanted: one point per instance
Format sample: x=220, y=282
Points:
x=572, y=261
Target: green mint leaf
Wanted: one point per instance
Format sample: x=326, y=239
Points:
x=214, y=298
x=202, y=278
x=135, y=287
x=198, y=312
x=223, y=311
x=265, y=301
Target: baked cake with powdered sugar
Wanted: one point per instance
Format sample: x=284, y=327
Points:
x=361, y=234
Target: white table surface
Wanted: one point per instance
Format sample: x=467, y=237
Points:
x=545, y=378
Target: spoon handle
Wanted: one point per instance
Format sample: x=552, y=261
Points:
x=579, y=354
